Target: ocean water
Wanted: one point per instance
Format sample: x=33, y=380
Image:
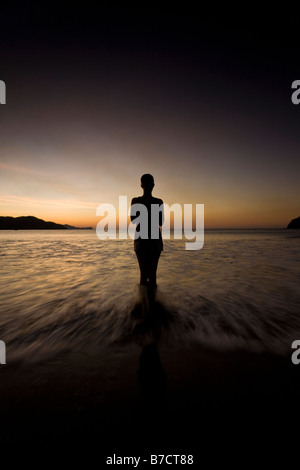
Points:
x=63, y=290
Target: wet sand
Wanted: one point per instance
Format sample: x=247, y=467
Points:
x=136, y=400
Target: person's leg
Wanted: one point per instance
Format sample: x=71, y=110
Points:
x=153, y=268
x=144, y=268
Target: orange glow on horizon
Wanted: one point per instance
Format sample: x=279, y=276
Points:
x=73, y=197
x=86, y=217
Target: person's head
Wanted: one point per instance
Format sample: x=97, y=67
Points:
x=147, y=182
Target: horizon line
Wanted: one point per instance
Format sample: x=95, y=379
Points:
x=171, y=229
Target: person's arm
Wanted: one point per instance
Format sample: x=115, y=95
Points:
x=161, y=213
x=133, y=217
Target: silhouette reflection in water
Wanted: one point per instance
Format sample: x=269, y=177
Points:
x=152, y=379
x=150, y=317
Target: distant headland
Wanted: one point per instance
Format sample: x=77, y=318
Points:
x=295, y=223
x=33, y=223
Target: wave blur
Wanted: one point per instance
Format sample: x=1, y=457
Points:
x=69, y=290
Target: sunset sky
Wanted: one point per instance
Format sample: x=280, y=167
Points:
x=203, y=102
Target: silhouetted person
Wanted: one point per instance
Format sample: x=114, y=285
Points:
x=148, y=249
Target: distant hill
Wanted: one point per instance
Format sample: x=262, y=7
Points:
x=71, y=227
x=31, y=223
x=295, y=223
